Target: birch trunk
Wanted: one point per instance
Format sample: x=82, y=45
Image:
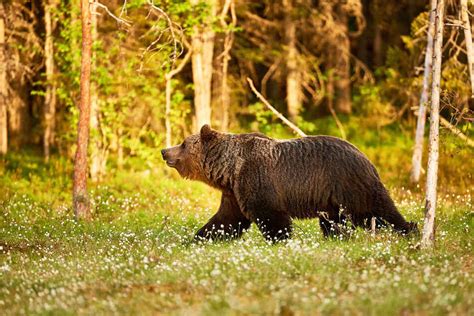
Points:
x=50, y=96
x=202, y=41
x=432, y=173
x=294, y=90
x=168, y=78
x=468, y=39
x=420, y=125
x=98, y=154
x=80, y=197
x=3, y=84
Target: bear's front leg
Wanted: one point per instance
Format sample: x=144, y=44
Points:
x=261, y=204
x=227, y=223
x=275, y=227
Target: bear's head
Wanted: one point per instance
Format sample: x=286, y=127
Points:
x=187, y=157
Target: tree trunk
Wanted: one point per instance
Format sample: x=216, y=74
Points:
x=50, y=97
x=432, y=174
x=468, y=39
x=19, y=119
x=420, y=125
x=98, y=152
x=169, y=87
x=294, y=91
x=378, y=53
x=203, y=50
x=223, y=88
x=342, y=84
x=168, y=111
x=3, y=85
x=80, y=197
x=338, y=56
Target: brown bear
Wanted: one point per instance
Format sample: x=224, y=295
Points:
x=269, y=182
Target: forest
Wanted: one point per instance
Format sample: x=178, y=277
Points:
x=92, y=220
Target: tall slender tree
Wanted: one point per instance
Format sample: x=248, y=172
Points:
x=202, y=43
x=294, y=88
x=225, y=57
x=50, y=95
x=468, y=41
x=80, y=196
x=3, y=84
x=432, y=173
x=420, y=125
x=98, y=153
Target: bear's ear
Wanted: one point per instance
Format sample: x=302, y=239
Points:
x=207, y=133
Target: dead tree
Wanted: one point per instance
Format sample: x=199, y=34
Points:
x=80, y=196
x=468, y=39
x=432, y=173
x=421, y=121
x=3, y=84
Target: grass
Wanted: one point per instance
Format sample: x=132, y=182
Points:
x=137, y=257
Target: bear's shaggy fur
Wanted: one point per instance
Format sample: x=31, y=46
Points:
x=269, y=182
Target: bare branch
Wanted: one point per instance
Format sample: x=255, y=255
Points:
x=278, y=114
x=171, y=27
x=116, y=18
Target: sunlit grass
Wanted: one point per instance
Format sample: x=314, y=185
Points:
x=136, y=256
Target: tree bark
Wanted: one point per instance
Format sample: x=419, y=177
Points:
x=378, y=53
x=3, y=85
x=468, y=39
x=168, y=79
x=342, y=84
x=98, y=152
x=229, y=5
x=424, y=98
x=294, y=91
x=338, y=60
x=50, y=96
x=432, y=173
x=202, y=42
x=80, y=196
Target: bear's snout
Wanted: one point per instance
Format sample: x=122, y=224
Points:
x=170, y=157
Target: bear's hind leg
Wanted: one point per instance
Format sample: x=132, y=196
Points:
x=227, y=223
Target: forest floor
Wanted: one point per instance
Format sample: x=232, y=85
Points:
x=136, y=256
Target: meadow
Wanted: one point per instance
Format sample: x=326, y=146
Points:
x=137, y=255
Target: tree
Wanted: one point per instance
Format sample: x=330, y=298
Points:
x=168, y=78
x=432, y=173
x=98, y=152
x=338, y=57
x=202, y=43
x=3, y=85
x=222, y=62
x=420, y=125
x=50, y=94
x=294, y=91
x=468, y=40
x=80, y=196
